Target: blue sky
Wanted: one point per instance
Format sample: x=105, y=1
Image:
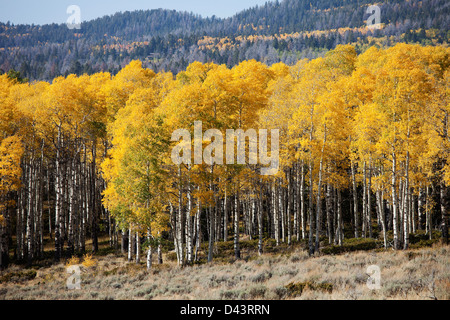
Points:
x=49, y=11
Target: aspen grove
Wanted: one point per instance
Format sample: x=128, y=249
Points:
x=364, y=148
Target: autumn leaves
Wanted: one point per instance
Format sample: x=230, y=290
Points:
x=213, y=154
x=159, y=178
x=373, y=127
x=363, y=124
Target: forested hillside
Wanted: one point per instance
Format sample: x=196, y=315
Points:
x=165, y=40
x=363, y=148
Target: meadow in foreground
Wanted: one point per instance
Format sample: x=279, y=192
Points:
x=421, y=274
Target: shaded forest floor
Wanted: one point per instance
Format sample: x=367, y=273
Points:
x=283, y=272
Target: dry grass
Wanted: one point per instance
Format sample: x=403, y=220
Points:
x=414, y=274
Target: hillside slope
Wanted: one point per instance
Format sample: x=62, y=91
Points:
x=421, y=274
x=168, y=40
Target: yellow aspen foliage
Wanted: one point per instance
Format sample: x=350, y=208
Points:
x=73, y=261
x=89, y=261
x=11, y=151
x=371, y=128
x=118, y=90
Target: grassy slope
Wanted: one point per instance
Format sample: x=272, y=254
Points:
x=414, y=274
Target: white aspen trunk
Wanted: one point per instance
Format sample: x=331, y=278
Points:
x=210, y=234
x=138, y=248
x=30, y=215
x=188, y=231
x=340, y=224
x=110, y=231
x=260, y=220
x=4, y=235
x=364, y=213
x=318, y=209
x=334, y=215
x=149, y=250
x=41, y=203
x=71, y=183
x=237, y=210
x=197, y=229
x=39, y=207
x=444, y=223
x=217, y=216
x=282, y=212
x=420, y=208
x=296, y=203
x=76, y=203
x=276, y=222
x=328, y=211
x=252, y=220
x=130, y=244
x=225, y=215
x=23, y=214
x=179, y=222
x=394, y=200
x=19, y=233
x=319, y=192
x=85, y=204
x=355, y=199
x=310, y=210
x=381, y=214
x=95, y=211
x=428, y=226
x=369, y=201
x=35, y=191
x=159, y=252
x=212, y=224
x=302, y=200
x=378, y=212
x=383, y=217
x=64, y=209
x=237, y=250
x=406, y=207
x=49, y=208
x=289, y=208
x=413, y=211
x=400, y=213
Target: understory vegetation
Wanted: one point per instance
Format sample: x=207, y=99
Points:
x=285, y=275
